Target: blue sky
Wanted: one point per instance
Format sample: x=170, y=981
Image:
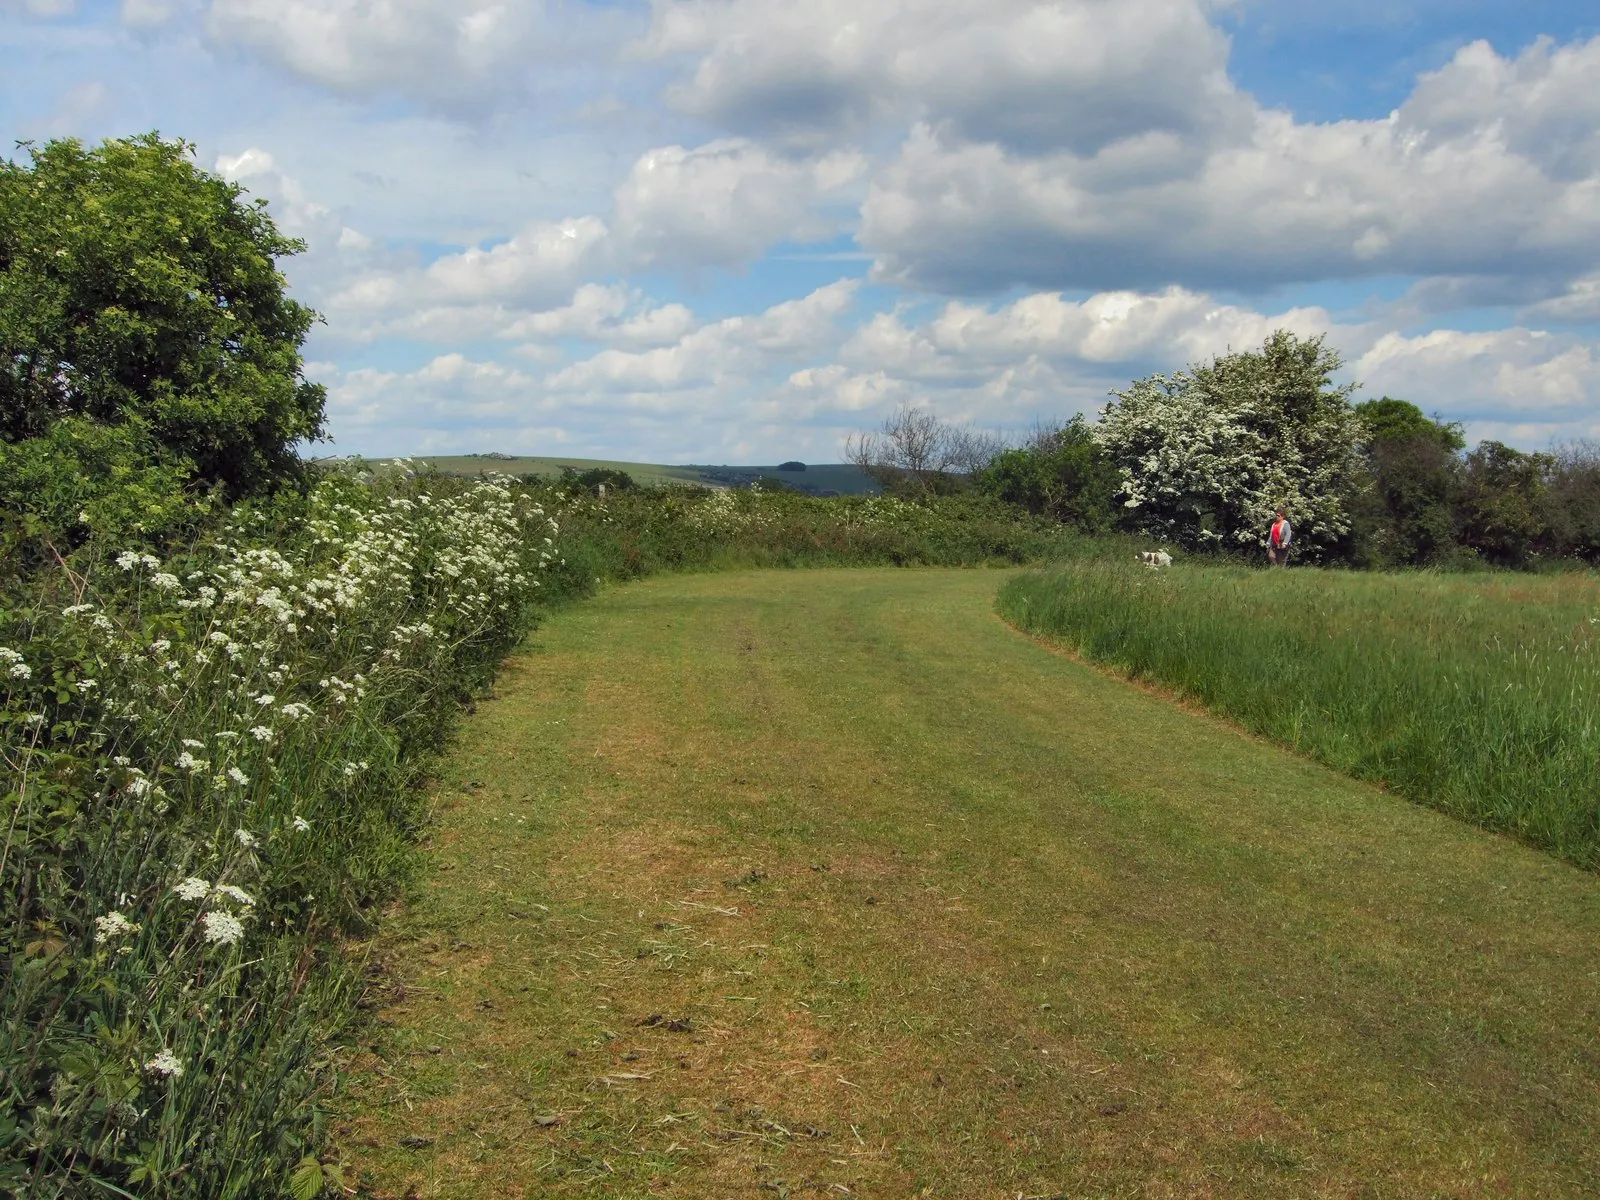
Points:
x=740, y=230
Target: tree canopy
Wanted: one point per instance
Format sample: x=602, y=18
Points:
x=137, y=289
x=1208, y=454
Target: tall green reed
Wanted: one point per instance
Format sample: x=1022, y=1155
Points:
x=1479, y=695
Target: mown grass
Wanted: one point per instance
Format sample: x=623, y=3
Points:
x=1479, y=695
x=763, y=884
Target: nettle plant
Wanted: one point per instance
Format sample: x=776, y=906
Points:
x=208, y=765
x=1209, y=454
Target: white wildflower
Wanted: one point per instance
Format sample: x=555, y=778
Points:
x=165, y=1064
x=122, y=760
x=165, y=581
x=188, y=762
x=76, y=610
x=85, y=686
x=238, y=776
x=261, y=733
x=127, y=560
x=112, y=926
x=192, y=888
x=138, y=785
x=192, y=744
x=221, y=929
x=264, y=698
x=161, y=645
x=246, y=839
x=33, y=719
x=301, y=825
x=296, y=711
x=20, y=671
x=236, y=894
x=225, y=735
x=150, y=561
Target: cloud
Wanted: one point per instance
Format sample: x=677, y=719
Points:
x=40, y=8
x=734, y=349
x=1496, y=178
x=725, y=202
x=1529, y=385
x=478, y=291
x=461, y=56
x=1076, y=73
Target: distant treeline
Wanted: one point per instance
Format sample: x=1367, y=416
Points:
x=1203, y=459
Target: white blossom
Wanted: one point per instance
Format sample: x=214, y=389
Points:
x=238, y=776
x=113, y=926
x=261, y=733
x=245, y=838
x=301, y=825
x=236, y=894
x=165, y=1064
x=220, y=928
x=192, y=888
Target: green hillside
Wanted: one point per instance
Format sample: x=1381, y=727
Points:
x=823, y=478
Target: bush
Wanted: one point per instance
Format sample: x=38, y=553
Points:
x=136, y=288
x=1061, y=474
x=210, y=764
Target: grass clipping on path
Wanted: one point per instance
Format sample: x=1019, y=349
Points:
x=1479, y=696
x=757, y=884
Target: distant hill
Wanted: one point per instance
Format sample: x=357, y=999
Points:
x=819, y=479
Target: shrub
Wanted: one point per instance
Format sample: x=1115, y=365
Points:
x=137, y=288
x=209, y=763
x=1062, y=474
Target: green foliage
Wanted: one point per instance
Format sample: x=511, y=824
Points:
x=1387, y=420
x=593, y=479
x=135, y=287
x=1062, y=474
x=209, y=765
x=1473, y=694
x=81, y=478
x=1504, y=504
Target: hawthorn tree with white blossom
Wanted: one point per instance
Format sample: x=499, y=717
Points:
x=1208, y=455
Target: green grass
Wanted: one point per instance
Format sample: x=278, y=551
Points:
x=925, y=909
x=1477, y=694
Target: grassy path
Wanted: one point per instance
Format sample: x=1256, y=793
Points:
x=829, y=883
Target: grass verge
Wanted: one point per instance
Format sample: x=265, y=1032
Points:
x=1479, y=695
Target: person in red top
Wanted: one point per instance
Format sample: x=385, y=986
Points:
x=1278, y=540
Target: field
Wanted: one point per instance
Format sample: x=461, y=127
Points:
x=831, y=883
x=841, y=478
x=1479, y=694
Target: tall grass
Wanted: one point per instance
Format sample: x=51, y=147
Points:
x=1479, y=695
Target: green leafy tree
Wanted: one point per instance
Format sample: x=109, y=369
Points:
x=136, y=287
x=1061, y=473
x=1504, y=512
x=1406, y=515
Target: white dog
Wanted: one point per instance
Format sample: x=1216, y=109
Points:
x=1155, y=558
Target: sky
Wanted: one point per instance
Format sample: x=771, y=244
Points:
x=742, y=230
